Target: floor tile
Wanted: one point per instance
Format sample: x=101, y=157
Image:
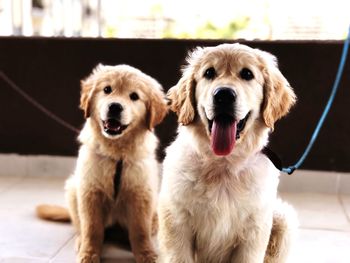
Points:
x=34, y=190
x=324, y=236
x=23, y=260
x=321, y=246
x=110, y=253
x=66, y=254
x=318, y=211
x=7, y=182
x=23, y=235
x=345, y=200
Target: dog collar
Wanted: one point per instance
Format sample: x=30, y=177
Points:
x=118, y=177
x=274, y=158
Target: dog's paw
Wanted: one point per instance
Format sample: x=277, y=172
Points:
x=88, y=258
x=148, y=256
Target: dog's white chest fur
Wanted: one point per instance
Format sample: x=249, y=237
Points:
x=219, y=202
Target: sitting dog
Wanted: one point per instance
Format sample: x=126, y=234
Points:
x=116, y=175
x=218, y=201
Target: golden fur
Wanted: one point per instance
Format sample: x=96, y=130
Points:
x=218, y=209
x=94, y=204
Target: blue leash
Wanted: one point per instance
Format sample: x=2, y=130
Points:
x=291, y=169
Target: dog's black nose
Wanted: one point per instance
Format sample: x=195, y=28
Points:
x=224, y=96
x=114, y=110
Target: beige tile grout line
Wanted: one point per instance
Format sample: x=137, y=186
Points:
x=337, y=184
x=339, y=197
x=60, y=248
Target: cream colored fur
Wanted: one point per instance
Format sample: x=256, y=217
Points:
x=215, y=209
x=93, y=202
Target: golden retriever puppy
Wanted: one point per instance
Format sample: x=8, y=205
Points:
x=218, y=200
x=116, y=175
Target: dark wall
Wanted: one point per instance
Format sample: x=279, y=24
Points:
x=50, y=69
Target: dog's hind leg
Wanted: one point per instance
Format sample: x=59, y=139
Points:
x=71, y=197
x=283, y=232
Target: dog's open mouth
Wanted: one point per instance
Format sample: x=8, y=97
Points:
x=113, y=127
x=225, y=130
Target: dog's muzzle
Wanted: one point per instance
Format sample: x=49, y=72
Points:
x=224, y=128
x=113, y=126
x=223, y=100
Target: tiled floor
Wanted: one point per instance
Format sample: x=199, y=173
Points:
x=324, y=235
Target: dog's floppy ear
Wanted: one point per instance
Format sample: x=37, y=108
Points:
x=157, y=107
x=85, y=96
x=87, y=87
x=279, y=97
x=181, y=98
x=182, y=95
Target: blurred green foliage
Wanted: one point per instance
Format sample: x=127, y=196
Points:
x=209, y=30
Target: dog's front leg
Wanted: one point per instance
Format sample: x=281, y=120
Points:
x=140, y=219
x=175, y=237
x=253, y=248
x=92, y=210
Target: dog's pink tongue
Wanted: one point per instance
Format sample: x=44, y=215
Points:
x=223, y=136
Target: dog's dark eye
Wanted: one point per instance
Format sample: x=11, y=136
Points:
x=210, y=73
x=134, y=96
x=107, y=90
x=246, y=74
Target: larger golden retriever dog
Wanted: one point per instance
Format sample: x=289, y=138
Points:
x=116, y=175
x=218, y=201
